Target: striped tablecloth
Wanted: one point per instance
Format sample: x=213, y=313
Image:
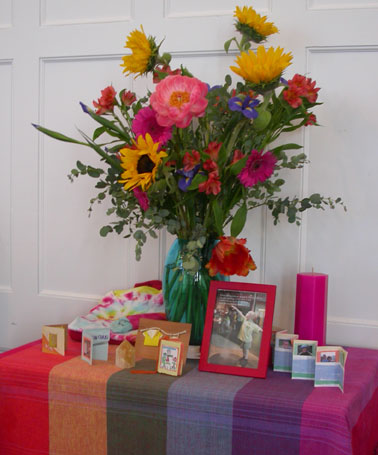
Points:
x=63, y=406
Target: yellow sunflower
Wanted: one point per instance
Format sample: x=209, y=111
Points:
x=263, y=67
x=143, y=53
x=253, y=25
x=140, y=163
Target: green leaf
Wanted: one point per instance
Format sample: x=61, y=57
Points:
x=228, y=80
x=104, y=231
x=277, y=150
x=107, y=123
x=110, y=160
x=58, y=136
x=218, y=217
x=316, y=199
x=199, y=178
x=97, y=132
x=292, y=214
x=82, y=168
x=238, y=166
x=227, y=44
x=93, y=172
x=238, y=221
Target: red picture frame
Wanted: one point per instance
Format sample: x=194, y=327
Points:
x=238, y=328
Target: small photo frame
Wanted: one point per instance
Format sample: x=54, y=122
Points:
x=54, y=339
x=87, y=349
x=304, y=356
x=170, y=358
x=238, y=328
x=283, y=351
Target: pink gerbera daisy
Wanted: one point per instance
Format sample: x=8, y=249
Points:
x=145, y=122
x=142, y=198
x=178, y=99
x=258, y=168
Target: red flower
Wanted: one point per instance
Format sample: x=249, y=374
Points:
x=213, y=150
x=106, y=102
x=190, y=160
x=298, y=84
x=300, y=87
x=311, y=120
x=162, y=71
x=312, y=92
x=128, y=98
x=212, y=184
x=292, y=97
x=210, y=166
x=230, y=257
x=238, y=155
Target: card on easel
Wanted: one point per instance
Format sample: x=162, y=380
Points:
x=95, y=344
x=304, y=355
x=330, y=366
x=54, y=339
x=283, y=351
x=170, y=359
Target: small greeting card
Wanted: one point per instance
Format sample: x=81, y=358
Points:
x=283, y=351
x=304, y=356
x=330, y=367
x=54, y=339
x=94, y=344
x=170, y=359
x=150, y=333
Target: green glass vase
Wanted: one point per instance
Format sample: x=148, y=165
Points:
x=185, y=294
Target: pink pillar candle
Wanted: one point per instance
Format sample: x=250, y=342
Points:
x=311, y=307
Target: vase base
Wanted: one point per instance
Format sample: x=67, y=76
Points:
x=194, y=352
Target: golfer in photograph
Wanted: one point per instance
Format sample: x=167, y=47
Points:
x=246, y=332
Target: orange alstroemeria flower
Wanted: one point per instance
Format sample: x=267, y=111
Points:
x=230, y=257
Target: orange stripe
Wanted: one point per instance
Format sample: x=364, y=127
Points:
x=77, y=406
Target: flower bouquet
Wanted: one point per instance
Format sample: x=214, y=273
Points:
x=194, y=159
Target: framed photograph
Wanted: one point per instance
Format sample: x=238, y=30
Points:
x=170, y=357
x=87, y=349
x=238, y=328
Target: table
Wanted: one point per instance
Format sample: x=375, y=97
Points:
x=63, y=406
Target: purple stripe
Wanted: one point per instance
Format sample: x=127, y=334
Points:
x=330, y=415
x=200, y=413
x=267, y=415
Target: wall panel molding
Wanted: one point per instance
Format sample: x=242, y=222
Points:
x=75, y=296
x=306, y=140
x=102, y=12
x=321, y=5
x=171, y=13
x=352, y=332
x=6, y=180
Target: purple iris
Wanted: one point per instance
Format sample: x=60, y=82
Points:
x=214, y=87
x=246, y=106
x=283, y=81
x=187, y=177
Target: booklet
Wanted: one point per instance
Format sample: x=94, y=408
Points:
x=94, y=344
x=54, y=339
x=330, y=367
x=304, y=356
x=283, y=351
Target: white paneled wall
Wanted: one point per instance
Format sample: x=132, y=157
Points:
x=53, y=263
